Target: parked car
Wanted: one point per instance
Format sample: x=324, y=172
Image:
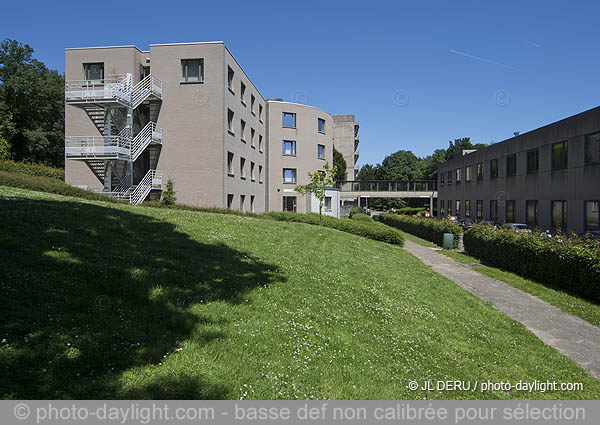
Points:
x=466, y=224
x=517, y=227
x=490, y=224
x=591, y=235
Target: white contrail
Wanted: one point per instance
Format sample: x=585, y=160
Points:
x=531, y=43
x=481, y=59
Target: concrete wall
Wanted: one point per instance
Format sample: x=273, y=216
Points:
x=345, y=138
x=576, y=184
x=307, y=137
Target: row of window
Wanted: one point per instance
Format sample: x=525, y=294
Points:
x=558, y=211
x=242, y=202
x=288, y=148
x=231, y=171
x=290, y=203
x=230, y=86
x=559, y=161
x=243, y=131
x=288, y=120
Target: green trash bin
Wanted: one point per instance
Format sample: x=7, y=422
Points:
x=448, y=241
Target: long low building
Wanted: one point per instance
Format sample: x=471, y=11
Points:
x=188, y=112
x=548, y=178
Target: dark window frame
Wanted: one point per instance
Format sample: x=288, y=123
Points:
x=536, y=166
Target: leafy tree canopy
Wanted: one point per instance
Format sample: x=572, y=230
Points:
x=340, y=163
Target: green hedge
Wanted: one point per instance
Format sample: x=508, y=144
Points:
x=50, y=185
x=361, y=217
x=430, y=229
x=32, y=169
x=370, y=230
x=410, y=210
x=354, y=210
x=570, y=264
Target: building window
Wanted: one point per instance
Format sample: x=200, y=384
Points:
x=479, y=212
x=252, y=178
x=480, y=171
x=230, y=75
x=494, y=168
x=252, y=203
x=289, y=175
x=260, y=112
x=192, y=70
x=243, y=203
x=467, y=208
x=458, y=208
x=468, y=173
x=458, y=175
x=230, y=163
x=321, y=151
x=260, y=146
x=442, y=179
x=510, y=211
x=559, y=214
x=243, y=93
x=560, y=156
x=592, y=148
x=532, y=213
x=533, y=161
x=243, y=130
x=494, y=210
x=144, y=71
x=442, y=208
x=230, y=116
x=289, y=119
x=449, y=207
x=243, y=168
x=230, y=201
x=328, y=203
x=252, y=103
x=592, y=215
x=321, y=125
x=511, y=165
x=289, y=203
x=288, y=147
x=449, y=178
x=260, y=174
x=252, y=134
x=93, y=71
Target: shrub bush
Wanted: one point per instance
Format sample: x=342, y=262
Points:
x=410, y=210
x=354, y=210
x=570, y=264
x=361, y=217
x=370, y=230
x=50, y=185
x=426, y=228
x=32, y=169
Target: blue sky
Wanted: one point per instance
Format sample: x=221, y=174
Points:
x=415, y=73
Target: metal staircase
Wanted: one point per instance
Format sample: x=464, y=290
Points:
x=110, y=105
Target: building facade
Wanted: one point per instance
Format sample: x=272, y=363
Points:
x=346, y=140
x=186, y=112
x=548, y=178
x=300, y=140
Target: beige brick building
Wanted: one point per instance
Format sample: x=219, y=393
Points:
x=186, y=112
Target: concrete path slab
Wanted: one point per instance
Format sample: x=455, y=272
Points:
x=570, y=335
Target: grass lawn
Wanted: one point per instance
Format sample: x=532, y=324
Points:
x=104, y=300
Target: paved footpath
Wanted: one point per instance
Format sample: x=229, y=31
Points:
x=572, y=336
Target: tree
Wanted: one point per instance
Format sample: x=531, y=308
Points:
x=318, y=182
x=459, y=145
x=168, y=196
x=402, y=165
x=369, y=172
x=431, y=163
x=340, y=163
x=31, y=106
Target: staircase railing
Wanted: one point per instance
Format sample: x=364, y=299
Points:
x=150, y=85
x=150, y=133
x=152, y=180
x=97, y=146
x=112, y=87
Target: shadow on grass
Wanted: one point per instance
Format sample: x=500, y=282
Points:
x=88, y=292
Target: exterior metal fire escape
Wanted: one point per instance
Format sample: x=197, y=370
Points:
x=124, y=155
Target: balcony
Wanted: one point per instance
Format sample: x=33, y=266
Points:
x=356, y=142
x=115, y=90
x=356, y=155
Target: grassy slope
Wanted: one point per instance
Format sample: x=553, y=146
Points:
x=108, y=300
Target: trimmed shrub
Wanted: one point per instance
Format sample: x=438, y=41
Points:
x=569, y=264
x=370, y=230
x=50, y=185
x=410, y=210
x=32, y=169
x=426, y=228
x=361, y=217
